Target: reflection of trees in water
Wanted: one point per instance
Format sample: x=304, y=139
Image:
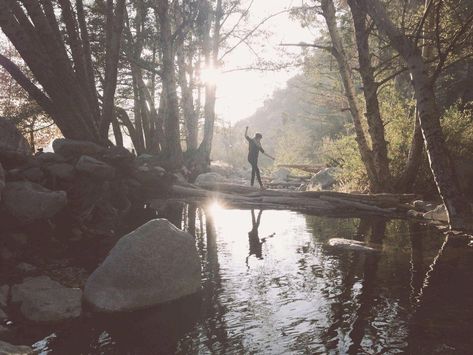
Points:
x=213, y=311
x=443, y=316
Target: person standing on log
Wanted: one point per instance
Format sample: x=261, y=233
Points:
x=254, y=147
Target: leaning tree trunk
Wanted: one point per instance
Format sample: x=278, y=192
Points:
x=337, y=50
x=459, y=211
x=370, y=90
x=173, y=150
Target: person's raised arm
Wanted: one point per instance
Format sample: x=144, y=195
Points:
x=246, y=134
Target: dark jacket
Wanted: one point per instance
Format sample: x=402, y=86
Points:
x=253, y=150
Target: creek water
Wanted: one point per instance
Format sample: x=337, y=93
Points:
x=272, y=285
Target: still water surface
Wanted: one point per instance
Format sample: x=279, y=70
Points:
x=272, y=285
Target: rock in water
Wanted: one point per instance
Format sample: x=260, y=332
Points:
x=9, y=349
x=349, y=244
x=14, y=148
x=155, y=263
x=29, y=202
x=44, y=300
x=95, y=168
x=72, y=148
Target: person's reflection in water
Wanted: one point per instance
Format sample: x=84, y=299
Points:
x=256, y=244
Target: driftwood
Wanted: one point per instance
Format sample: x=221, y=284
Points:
x=320, y=202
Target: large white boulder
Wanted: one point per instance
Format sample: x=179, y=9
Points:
x=156, y=263
x=14, y=148
x=44, y=300
x=323, y=180
x=29, y=202
x=209, y=178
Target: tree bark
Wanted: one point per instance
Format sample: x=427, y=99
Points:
x=211, y=51
x=328, y=12
x=459, y=211
x=113, y=30
x=173, y=150
x=370, y=90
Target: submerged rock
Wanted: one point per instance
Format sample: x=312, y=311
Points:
x=10, y=349
x=95, y=168
x=29, y=202
x=44, y=300
x=155, y=263
x=14, y=148
x=349, y=244
x=437, y=214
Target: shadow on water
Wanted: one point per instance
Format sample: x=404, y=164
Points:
x=293, y=294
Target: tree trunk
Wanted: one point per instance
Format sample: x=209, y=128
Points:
x=459, y=211
x=113, y=30
x=338, y=52
x=370, y=90
x=414, y=158
x=187, y=101
x=211, y=50
x=173, y=150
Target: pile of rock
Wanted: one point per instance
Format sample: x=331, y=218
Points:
x=282, y=179
x=93, y=184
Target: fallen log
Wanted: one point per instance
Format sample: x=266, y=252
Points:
x=320, y=202
x=304, y=167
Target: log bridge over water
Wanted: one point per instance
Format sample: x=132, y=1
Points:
x=315, y=202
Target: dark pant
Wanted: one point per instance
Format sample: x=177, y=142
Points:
x=255, y=171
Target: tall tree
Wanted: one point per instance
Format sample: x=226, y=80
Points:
x=68, y=90
x=459, y=211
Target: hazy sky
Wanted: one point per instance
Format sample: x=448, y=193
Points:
x=240, y=93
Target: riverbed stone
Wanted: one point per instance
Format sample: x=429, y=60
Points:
x=62, y=171
x=29, y=202
x=74, y=148
x=95, y=168
x=154, y=264
x=10, y=349
x=423, y=205
x=44, y=300
x=49, y=158
x=349, y=244
x=437, y=214
x=14, y=148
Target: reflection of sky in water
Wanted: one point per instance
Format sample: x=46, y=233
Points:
x=301, y=296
